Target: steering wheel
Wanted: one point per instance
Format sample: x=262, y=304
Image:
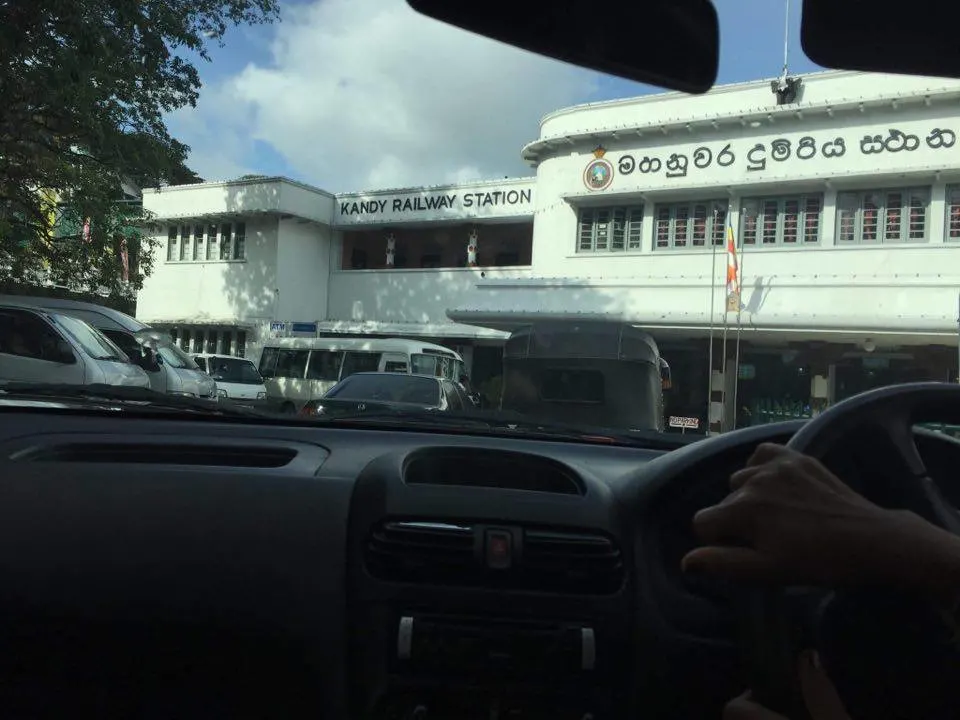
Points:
x=891, y=412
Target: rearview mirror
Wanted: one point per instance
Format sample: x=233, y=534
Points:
x=904, y=43
x=666, y=376
x=674, y=44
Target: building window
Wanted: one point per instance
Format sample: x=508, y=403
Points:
x=952, y=222
x=610, y=229
x=695, y=225
x=358, y=259
x=241, y=350
x=185, y=243
x=212, y=337
x=882, y=216
x=225, y=242
x=198, y=249
x=789, y=221
x=212, y=242
x=240, y=241
x=188, y=243
x=172, y=244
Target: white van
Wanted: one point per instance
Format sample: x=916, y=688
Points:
x=298, y=370
x=237, y=379
x=169, y=369
x=38, y=346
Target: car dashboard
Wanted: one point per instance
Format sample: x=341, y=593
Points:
x=152, y=565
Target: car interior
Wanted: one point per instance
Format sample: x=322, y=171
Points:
x=157, y=564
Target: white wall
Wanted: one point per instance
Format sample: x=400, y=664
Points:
x=903, y=288
x=907, y=291
x=560, y=178
x=214, y=291
x=408, y=295
x=243, y=197
x=303, y=270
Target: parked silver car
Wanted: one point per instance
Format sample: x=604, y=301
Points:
x=39, y=346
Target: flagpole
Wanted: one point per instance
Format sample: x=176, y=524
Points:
x=736, y=382
x=723, y=366
x=729, y=249
x=713, y=302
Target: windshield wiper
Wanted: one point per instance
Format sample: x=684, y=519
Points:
x=138, y=396
x=421, y=418
x=519, y=426
x=534, y=427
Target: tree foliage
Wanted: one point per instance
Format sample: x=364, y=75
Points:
x=84, y=87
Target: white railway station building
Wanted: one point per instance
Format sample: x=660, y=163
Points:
x=843, y=197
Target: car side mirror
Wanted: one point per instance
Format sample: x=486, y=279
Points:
x=265, y=374
x=150, y=361
x=64, y=353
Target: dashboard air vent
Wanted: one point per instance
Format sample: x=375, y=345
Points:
x=453, y=554
x=242, y=456
x=424, y=552
x=575, y=562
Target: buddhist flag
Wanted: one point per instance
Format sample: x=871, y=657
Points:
x=733, y=273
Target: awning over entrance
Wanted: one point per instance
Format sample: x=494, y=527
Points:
x=436, y=330
x=205, y=321
x=668, y=308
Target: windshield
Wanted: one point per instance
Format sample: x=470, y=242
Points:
x=385, y=387
x=544, y=236
x=176, y=358
x=233, y=370
x=95, y=344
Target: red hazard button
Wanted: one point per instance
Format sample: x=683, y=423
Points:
x=499, y=549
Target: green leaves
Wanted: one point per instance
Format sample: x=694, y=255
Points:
x=85, y=85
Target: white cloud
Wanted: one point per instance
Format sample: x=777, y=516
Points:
x=218, y=148
x=368, y=94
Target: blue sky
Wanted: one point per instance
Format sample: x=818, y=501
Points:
x=324, y=99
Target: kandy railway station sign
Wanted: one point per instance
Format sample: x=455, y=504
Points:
x=454, y=203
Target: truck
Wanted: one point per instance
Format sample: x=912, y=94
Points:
x=596, y=373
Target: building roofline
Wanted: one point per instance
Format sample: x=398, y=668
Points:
x=531, y=151
x=240, y=182
x=435, y=188
x=659, y=96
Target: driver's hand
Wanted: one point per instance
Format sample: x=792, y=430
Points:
x=819, y=695
x=789, y=520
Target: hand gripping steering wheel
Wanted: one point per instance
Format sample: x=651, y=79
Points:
x=888, y=414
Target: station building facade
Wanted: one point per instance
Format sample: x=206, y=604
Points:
x=842, y=200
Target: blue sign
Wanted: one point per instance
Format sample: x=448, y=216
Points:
x=301, y=327
x=277, y=326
